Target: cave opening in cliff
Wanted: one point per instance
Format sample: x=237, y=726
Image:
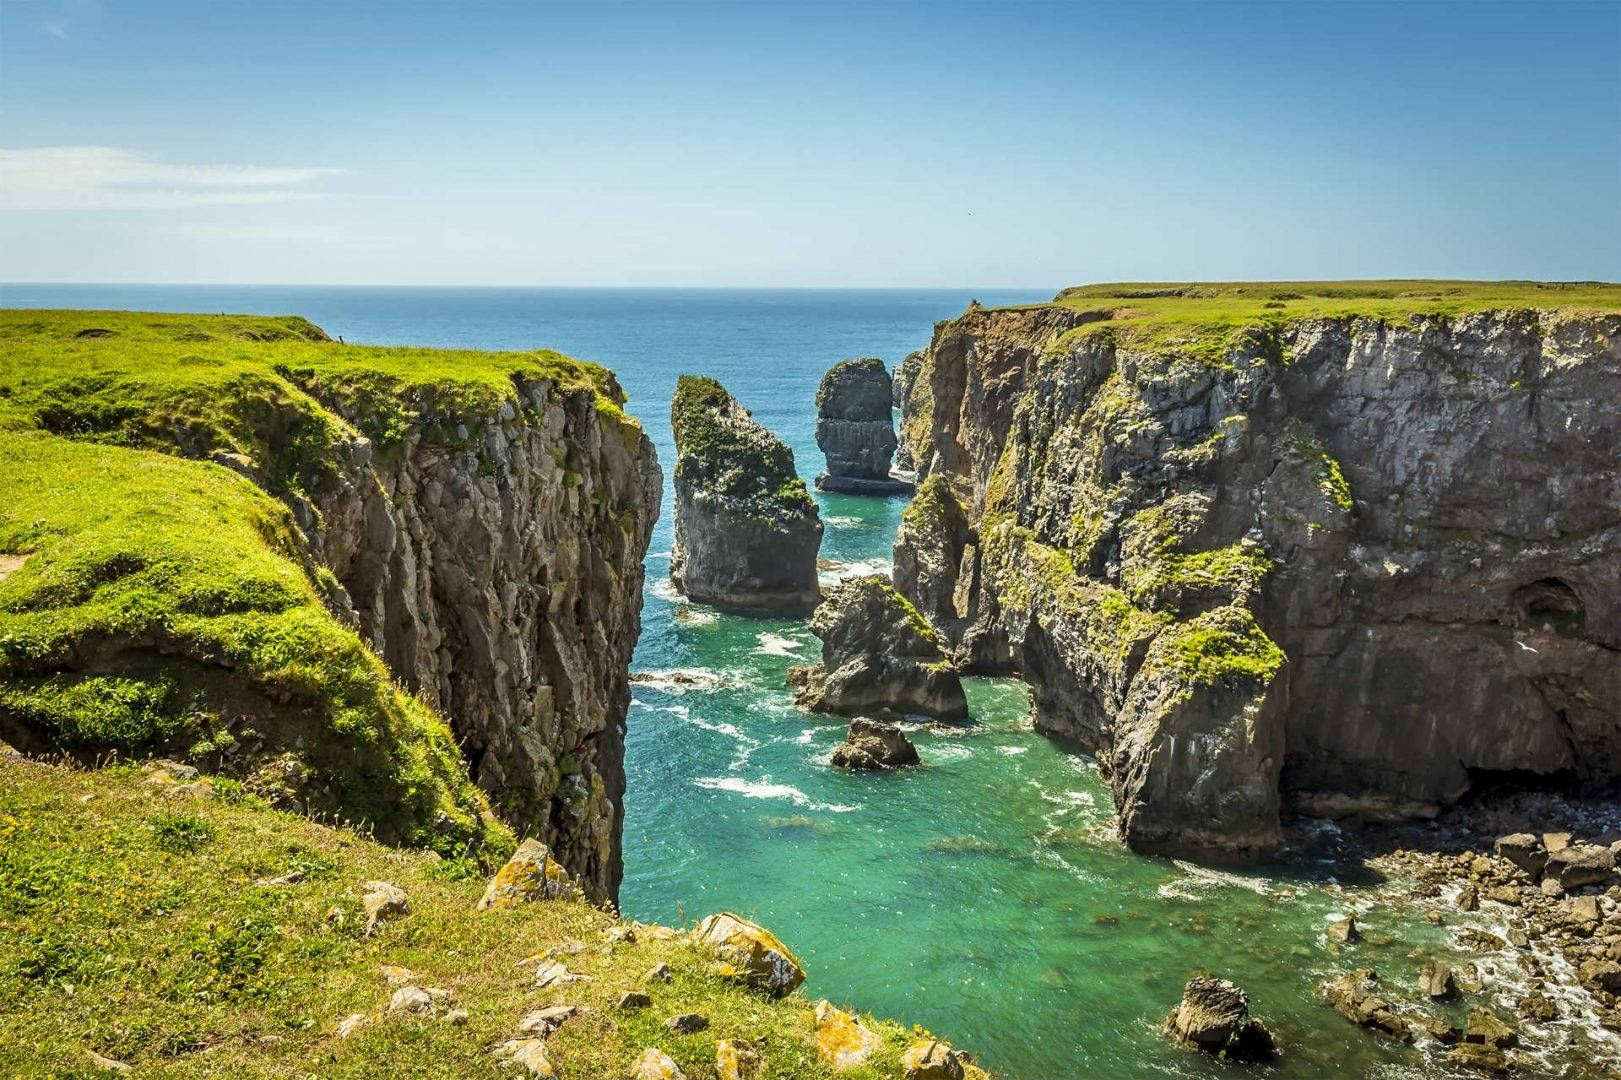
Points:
x=1487, y=784
x=1553, y=604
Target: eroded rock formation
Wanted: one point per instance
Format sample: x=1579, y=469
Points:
x=746, y=528
x=1344, y=564
x=874, y=745
x=855, y=429
x=878, y=654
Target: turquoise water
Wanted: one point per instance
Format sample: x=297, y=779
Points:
x=982, y=895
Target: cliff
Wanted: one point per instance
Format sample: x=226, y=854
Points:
x=746, y=528
x=1342, y=548
x=221, y=529
x=855, y=428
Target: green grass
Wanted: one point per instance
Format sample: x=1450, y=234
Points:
x=167, y=606
x=137, y=925
x=1202, y=320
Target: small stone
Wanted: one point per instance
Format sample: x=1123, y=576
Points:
x=107, y=1064
x=554, y=973
x=1584, y=909
x=1551, y=887
x=410, y=999
x=1468, y=898
x=381, y=901
x=351, y=1024
x=930, y=1059
x=1555, y=841
x=735, y=1061
x=687, y=1023
x=395, y=975
x=1518, y=938
x=655, y=1064
x=1469, y=979
x=619, y=934
x=1539, y=1007
x=843, y=1041
x=542, y=1022
x=455, y=1017
x=1343, y=931
x=528, y=1054
x=657, y=973
x=292, y=877
x=1504, y=894
x=1434, y=917
x=633, y=999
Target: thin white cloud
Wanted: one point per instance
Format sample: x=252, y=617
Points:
x=56, y=28
x=108, y=178
x=263, y=232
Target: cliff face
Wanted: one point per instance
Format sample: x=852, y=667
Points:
x=479, y=520
x=501, y=578
x=1352, y=563
x=746, y=528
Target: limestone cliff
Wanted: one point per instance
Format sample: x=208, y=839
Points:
x=746, y=528
x=1345, y=549
x=478, y=519
x=855, y=429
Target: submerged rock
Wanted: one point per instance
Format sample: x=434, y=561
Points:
x=855, y=429
x=1213, y=1016
x=746, y=528
x=877, y=653
x=873, y=744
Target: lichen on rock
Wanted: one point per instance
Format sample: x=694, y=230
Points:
x=746, y=528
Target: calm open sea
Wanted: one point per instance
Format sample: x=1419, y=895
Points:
x=984, y=895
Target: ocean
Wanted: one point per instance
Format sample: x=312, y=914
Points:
x=984, y=895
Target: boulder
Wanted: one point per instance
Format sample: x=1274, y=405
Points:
x=750, y=953
x=634, y=999
x=1481, y=1057
x=877, y=653
x=1435, y=981
x=873, y=744
x=542, y=1022
x=531, y=874
x=1213, y=1016
x=1577, y=865
x=1597, y=975
x=688, y=1023
x=1538, y=1007
x=1353, y=996
x=842, y=1040
x=735, y=1061
x=1485, y=1028
x=1343, y=931
x=655, y=1064
x=931, y=1059
x=381, y=901
x=855, y=429
x=746, y=528
x=1524, y=851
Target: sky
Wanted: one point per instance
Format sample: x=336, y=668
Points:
x=907, y=144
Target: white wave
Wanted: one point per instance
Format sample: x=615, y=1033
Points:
x=949, y=753
x=777, y=645
x=658, y=554
x=695, y=616
x=677, y=680
x=1202, y=879
x=761, y=789
x=841, y=522
x=804, y=737
x=664, y=589
x=1012, y=751
x=860, y=568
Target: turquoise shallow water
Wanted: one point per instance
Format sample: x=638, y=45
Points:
x=983, y=895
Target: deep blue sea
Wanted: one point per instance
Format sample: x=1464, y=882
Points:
x=983, y=895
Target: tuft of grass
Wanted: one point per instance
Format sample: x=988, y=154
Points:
x=173, y=953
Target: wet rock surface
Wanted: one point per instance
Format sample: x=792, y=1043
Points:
x=1213, y=1016
x=746, y=529
x=878, y=653
x=874, y=745
x=855, y=429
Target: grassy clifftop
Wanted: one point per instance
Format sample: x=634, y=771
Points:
x=217, y=938
x=151, y=602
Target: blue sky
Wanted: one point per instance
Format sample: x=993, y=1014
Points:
x=824, y=145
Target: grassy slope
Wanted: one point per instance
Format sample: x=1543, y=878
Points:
x=131, y=925
x=162, y=601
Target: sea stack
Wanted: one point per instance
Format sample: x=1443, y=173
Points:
x=855, y=428
x=746, y=528
x=878, y=655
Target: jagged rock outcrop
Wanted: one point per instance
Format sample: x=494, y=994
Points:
x=874, y=745
x=1213, y=1016
x=878, y=654
x=855, y=429
x=746, y=528
x=1346, y=563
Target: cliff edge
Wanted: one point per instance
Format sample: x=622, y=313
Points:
x=1346, y=548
